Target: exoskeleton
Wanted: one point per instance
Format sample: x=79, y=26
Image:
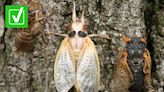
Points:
x=133, y=71
x=26, y=37
x=77, y=64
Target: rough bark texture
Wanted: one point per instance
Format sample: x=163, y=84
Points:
x=33, y=72
x=154, y=20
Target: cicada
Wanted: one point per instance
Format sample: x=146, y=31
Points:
x=133, y=71
x=77, y=63
x=26, y=37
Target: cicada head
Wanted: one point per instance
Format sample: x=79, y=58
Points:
x=34, y=13
x=34, y=7
x=77, y=31
x=78, y=24
x=135, y=46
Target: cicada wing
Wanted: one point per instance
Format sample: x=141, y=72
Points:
x=147, y=61
x=147, y=70
x=121, y=82
x=88, y=70
x=63, y=69
x=123, y=75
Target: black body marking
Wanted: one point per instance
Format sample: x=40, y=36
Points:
x=136, y=67
x=72, y=34
x=135, y=49
x=82, y=34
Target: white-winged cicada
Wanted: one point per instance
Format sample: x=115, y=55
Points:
x=77, y=63
x=133, y=71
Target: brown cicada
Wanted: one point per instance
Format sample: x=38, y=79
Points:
x=133, y=71
x=26, y=37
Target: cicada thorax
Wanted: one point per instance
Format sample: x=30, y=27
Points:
x=76, y=54
x=26, y=37
x=137, y=64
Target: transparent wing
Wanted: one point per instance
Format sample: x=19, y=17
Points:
x=88, y=70
x=63, y=69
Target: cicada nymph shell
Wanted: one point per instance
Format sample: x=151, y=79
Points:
x=26, y=37
x=133, y=71
x=77, y=64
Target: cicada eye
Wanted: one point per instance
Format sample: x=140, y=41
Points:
x=72, y=34
x=82, y=34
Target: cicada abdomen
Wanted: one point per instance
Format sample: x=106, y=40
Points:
x=133, y=72
x=77, y=64
x=26, y=37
